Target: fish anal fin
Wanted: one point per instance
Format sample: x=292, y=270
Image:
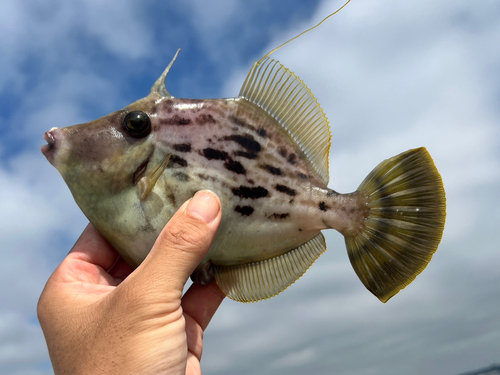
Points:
x=261, y=280
x=146, y=183
x=289, y=101
x=405, y=221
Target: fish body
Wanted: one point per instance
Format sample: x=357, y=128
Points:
x=265, y=154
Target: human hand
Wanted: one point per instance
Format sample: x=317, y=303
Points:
x=99, y=317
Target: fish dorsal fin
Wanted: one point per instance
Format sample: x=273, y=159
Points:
x=159, y=86
x=261, y=280
x=287, y=99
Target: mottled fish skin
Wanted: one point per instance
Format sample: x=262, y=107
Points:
x=265, y=154
x=272, y=199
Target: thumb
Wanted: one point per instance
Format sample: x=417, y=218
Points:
x=180, y=247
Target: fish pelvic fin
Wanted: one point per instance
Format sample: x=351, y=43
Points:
x=289, y=101
x=262, y=280
x=404, y=223
x=146, y=183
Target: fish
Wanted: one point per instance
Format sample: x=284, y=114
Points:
x=265, y=154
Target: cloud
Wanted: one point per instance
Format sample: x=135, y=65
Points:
x=38, y=32
x=36, y=211
x=21, y=344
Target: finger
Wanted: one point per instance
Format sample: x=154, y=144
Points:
x=93, y=248
x=201, y=302
x=182, y=244
x=199, y=305
x=120, y=270
x=87, y=261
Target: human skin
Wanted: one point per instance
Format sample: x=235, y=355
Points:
x=99, y=316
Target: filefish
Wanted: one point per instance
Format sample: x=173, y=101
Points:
x=265, y=154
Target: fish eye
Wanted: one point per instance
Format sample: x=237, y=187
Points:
x=137, y=124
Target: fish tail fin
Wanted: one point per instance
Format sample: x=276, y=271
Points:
x=406, y=210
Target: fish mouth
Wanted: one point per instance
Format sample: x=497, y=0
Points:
x=49, y=149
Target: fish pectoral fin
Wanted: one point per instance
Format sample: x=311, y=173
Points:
x=261, y=280
x=146, y=183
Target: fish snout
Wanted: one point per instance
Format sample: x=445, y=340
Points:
x=49, y=150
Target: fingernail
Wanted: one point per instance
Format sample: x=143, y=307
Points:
x=204, y=205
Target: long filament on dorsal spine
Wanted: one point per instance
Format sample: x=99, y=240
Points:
x=303, y=32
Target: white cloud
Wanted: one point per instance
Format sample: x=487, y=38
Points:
x=298, y=358
x=38, y=218
x=21, y=343
x=121, y=28
x=49, y=32
x=211, y=17
x=63, y=101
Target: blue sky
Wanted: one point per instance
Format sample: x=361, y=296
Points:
x=390, y=76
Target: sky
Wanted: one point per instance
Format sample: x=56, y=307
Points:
x=390, y=76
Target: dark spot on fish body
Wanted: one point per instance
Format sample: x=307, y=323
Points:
x=206, y=177
x=269, y=168
x=165, y=106
x=205, y=119
x=181, y=176
x=237, y=121
x=250, y=192
x=234, y=166
x=300, y=229
x=282, y=152
x=182, y=147
x=245, y=210
x=212, y=154
x=246, y=141
x=171, y=198
x=174, y=159
x=279, y=216
x=176, y=120
x=322, y=206
x=147, y=228
x=247, y=155
x=302, y=175
x=291, y=159
x=286, y=190
x=184, y=121
x=262, y=132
